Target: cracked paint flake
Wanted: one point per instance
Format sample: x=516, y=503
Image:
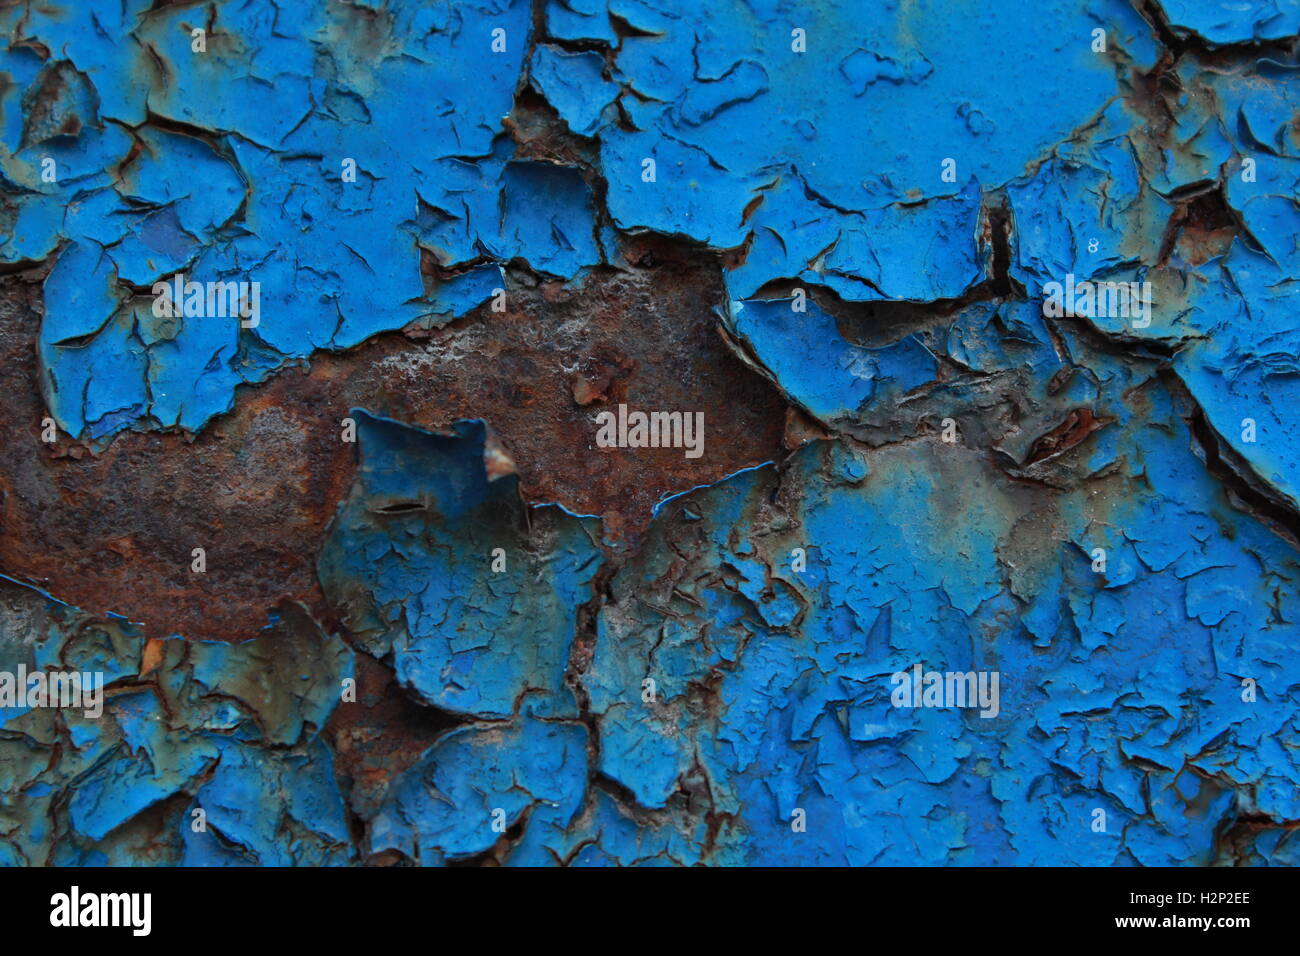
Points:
x=439, y=624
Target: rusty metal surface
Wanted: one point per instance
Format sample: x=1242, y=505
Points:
x=113, y=529
x=990, y=318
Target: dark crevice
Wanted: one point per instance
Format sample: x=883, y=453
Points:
x=998, y=231
x=1181, y=42
x=1242, y=485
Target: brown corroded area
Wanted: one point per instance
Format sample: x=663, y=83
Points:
x=113, y=530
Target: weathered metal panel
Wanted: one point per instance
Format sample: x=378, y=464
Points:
x=323, y=330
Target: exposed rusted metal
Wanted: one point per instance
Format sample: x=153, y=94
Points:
x=113, y=530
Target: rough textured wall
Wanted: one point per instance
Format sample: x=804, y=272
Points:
x=986, y=552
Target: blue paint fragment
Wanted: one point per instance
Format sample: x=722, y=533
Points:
x=574, y=84
x=817, y=368
x=1221, y=21
x=445, y=807
x=411, y=554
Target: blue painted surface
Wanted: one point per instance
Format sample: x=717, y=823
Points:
x=724, y=693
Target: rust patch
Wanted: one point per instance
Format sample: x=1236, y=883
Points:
x=1077, y=425
x=256, y=489
x=1203, y=227
x=380, y=735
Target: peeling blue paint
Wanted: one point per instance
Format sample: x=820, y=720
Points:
x=1098, y=509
